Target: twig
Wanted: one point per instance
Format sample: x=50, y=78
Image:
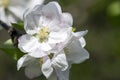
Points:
x=14, y=33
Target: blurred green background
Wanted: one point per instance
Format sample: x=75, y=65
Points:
x=102, y=19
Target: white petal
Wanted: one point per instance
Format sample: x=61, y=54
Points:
x=56, y=37
x=45, y=46
x=60, y=62
x=33, y=70
x=26, y=60
x=67, y=19
x=63, y=75
x=52, y=10
x=31, y=19
x=46, y=68
x=38, y=53
x=82, y=41
x=27, y=43
x=21, y=61
x=80, y=34
x=75, y=53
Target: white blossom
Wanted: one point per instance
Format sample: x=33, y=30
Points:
x=12, y=10
x=50, y=42
x=46, y=26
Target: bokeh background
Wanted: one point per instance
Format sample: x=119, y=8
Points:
x=102, y=19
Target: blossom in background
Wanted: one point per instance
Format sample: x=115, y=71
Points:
x=12, y=10
x=50, y=43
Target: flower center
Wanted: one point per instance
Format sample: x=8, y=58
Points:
x=43, y=34
x=4, y=3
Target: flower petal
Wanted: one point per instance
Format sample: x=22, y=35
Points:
x=45, y=46
x=33, y=70
x=32, y=66
x=75, y=53
x=26, y=60
x=67, y=19
x=60, y=62
x=47, y=68
x=52, y=10
x=82, y=41
x=21, y=61
x=62, y=75
x=57, y=37
x=80, y=34
x=27, y=43
x=31, y=19
x=38, y=53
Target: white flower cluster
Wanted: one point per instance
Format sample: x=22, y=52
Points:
x=50, y=44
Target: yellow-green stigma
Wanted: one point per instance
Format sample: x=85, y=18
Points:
x=41, y=61
x=4, y=3
x=73, y=29
x=43, y=34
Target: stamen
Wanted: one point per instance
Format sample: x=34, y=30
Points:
x=43, y=34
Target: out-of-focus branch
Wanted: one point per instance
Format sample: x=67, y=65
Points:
x=14, y=33
x=4, y=25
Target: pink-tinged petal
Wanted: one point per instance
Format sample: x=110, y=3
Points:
x=67, y=19
x=27, y=43
x=51, y=10
x=31, y=19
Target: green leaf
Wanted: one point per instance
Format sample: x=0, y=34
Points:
x=10, y=50
x=19, y=26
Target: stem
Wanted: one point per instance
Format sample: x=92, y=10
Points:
x=14, y=33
